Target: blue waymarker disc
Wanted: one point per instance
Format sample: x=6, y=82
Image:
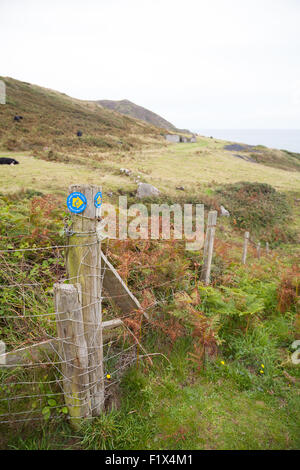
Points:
x=76, y=202
x=98, y=199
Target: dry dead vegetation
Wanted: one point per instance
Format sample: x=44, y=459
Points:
x=237, y=396
x=51, y=121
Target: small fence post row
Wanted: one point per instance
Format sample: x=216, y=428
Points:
x=79, y=315
x=209, y=246
x=258, y=248
x=245, y=248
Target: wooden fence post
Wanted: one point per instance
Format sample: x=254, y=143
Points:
x=267, y=248
x=2, y=353
x=209, y=246
x=245, y=248
x=258, y=250
x=84, y=267
x=72, y=351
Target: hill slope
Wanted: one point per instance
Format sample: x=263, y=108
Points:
x=196, y=167
x=128, y=108
x=52, y=119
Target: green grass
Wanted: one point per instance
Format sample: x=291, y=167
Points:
x=175, y=407
x=178, y=403
x=205, y=166
x=48, y=133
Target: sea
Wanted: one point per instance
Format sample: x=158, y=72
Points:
x=282, y=139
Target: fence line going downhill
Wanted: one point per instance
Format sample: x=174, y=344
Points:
x=87, y=356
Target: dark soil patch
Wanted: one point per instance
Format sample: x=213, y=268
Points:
x=245, y=157
x=240, y=148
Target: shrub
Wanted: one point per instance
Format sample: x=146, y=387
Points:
x=287, y=292
x=259, y=208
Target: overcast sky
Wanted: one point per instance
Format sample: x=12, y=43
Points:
x=198, y=63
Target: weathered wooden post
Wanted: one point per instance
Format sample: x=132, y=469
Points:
x=245, y=248
x=206, y=243
x=84, y=267
x=258, y=250
x=2, y=353
x=267, y=248
x=209, y=246
x=72, y=351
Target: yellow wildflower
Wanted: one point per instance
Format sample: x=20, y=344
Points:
x=108, y=376
x=223, y=363
x=261, y=371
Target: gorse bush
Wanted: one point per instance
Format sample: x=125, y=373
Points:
x=258, y=208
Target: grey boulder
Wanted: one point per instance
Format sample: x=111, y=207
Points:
x=224, y=212
x=146, y=190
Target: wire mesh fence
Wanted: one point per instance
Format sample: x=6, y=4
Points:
x=32, y=377
x=70, y=373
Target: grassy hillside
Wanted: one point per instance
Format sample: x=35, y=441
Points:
x=222, y=375
x=282, y=159
x=51, y=121
x=197, y=167
x=130, y=109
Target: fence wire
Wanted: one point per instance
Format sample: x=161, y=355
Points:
x=38, y=387
x=42, y=382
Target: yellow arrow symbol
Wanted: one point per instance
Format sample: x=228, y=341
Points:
x=77, y=202
x=99, y=199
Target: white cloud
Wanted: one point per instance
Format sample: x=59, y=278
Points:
x=198, y=63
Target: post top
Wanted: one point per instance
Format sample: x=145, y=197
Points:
x=85, y=187
x=89, y=191
x=66, y=287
